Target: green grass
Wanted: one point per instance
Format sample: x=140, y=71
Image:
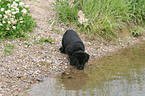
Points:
x=137, y=31
x=8, y=48
x=28, y=44
x=48, y=39
x=9, y=45
x=44, y=39
x=106, y=18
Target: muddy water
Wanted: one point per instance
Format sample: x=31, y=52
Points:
x=118, y=74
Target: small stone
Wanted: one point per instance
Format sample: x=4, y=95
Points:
x=39, y=80
x=94, y=55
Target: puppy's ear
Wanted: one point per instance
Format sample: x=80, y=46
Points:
x=87, y=57
x=67, y=49
x=72, y=60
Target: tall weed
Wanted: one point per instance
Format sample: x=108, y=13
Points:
x=102, y=18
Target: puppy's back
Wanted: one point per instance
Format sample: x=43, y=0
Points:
x=71, y=36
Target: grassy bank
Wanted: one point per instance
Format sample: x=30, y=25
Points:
x=105, y=19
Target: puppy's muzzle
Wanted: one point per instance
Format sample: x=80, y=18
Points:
x=80, y=67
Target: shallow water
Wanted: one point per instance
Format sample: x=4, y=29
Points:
x=118, y=74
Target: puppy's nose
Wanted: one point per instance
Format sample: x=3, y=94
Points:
x=80, y=68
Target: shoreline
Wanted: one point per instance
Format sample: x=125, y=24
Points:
x=32, y=60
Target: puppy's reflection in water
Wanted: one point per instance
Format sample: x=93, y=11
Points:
x=74, y=79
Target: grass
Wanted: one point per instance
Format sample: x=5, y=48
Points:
x=8, y=48
x=9, y=45
x=48, y=39
x=28, y=44
x=137, y=31
x=44, y=39
x=104, y=19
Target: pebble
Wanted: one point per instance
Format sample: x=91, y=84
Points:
x=94, y=55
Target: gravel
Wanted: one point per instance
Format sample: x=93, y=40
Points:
x=30, y=60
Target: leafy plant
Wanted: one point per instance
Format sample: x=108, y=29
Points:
x=15, y=19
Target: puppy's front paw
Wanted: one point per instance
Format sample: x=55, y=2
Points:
x=72, y=64
x=61, y=50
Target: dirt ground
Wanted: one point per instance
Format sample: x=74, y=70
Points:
x=31, y=60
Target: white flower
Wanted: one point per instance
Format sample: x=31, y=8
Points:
x=13, y=16
x=7, y=28
x=8, y=12
x=21, y=4
x=14, y=27
x=0, y=16
x=3, y=21
x=17, y=0
x=21, y=18
x=24, y=11
x=14, y=13
x=8, y=4
x=2, y=9
x=5, y=17
x=26, y=6
x=12, y=9
x=17, y=10
x=21, y=21
x=1, y=24
x=9, y=22
x=9, y=15
x=14, y=21
x=14, y=5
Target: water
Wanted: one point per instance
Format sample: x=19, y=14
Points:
x=118, y=74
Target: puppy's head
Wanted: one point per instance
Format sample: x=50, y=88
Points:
x=79, y=59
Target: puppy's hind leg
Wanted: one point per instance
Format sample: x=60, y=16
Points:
x=62, y=50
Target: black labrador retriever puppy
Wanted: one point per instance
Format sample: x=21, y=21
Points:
x=73, y=46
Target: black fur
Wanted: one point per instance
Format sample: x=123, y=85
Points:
x=73, y=46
